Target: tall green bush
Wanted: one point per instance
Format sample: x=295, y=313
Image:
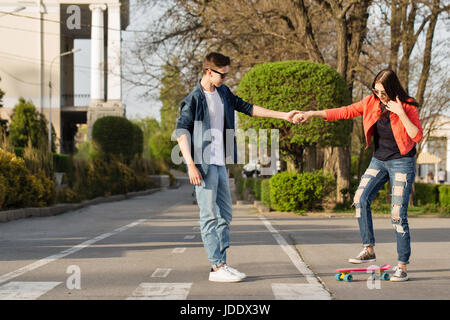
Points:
x=297, y=85
x=27, y=124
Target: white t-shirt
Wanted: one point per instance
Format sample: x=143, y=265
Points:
x=216, y=116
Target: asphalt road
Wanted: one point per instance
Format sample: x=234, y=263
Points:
x=150, y=247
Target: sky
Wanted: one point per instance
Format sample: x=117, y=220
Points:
x=136, y=105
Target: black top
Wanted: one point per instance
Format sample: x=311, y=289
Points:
x=385, y=145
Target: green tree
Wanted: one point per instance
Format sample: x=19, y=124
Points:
x=171, y=94
x=28, y=124
x=300, y=85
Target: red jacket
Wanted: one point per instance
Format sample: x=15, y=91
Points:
x=369, y=108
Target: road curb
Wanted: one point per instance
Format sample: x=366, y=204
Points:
x=262, y=209
x=60, y=208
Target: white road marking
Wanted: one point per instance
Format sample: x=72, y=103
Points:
x=307, y=291
x=18, y=290
x=179, y=250
x=161, y=291
x=189, y=237
x=196, y=228
x=14, y=274
x=314, y=288
x=161, y=273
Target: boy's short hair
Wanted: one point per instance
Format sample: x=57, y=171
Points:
x=215, y=60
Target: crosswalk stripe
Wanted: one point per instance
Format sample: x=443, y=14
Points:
x=161, y=273
x=19, y=290
x=161, y=291
x=314, y=286
x=303, y=291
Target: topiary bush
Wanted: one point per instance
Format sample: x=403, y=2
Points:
x=297, y=85
x=116, y=137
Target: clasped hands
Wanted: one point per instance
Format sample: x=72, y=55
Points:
x=296, y=116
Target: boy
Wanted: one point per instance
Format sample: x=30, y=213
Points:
x=210, y=108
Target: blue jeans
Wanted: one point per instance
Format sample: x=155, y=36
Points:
x=214, y=200
x=400, y=173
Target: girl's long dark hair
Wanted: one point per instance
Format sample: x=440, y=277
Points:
x=392, y=86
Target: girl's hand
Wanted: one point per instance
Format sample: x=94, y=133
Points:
x=395, y=107
x=303, y=117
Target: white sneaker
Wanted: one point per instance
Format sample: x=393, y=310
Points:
x=236, y=272
x=223, y=275
x=399, y=275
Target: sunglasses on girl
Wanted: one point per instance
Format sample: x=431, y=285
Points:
x=380, y=93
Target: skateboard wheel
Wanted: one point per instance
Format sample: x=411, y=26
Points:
x=337, y=276
x=385, y=276
x=348, y=278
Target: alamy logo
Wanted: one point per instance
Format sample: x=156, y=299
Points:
x=74, y=280
x=205, y=141
x=73, y=21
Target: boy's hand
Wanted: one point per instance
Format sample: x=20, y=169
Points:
x=195, y=176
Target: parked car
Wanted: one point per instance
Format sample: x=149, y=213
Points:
x=251, y=170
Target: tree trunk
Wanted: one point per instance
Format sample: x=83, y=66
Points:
x=396, y=21
x=306, y=26
x=427, y=53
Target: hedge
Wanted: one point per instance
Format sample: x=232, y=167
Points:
x=426, y=193
x=444, y=195
x=265, y=192
x=101, y=178
x=299, y=191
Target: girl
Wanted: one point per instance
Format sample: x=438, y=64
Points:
x=391, y=117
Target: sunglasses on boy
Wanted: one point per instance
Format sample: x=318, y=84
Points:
x=222, y=75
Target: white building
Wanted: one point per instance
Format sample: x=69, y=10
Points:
x=437, y=144
x=37, y=39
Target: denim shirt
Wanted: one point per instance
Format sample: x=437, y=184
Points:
x=194, y=119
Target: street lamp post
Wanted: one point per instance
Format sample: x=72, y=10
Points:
x=50, y=96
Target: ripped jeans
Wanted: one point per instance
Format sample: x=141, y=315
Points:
x=400, y=173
